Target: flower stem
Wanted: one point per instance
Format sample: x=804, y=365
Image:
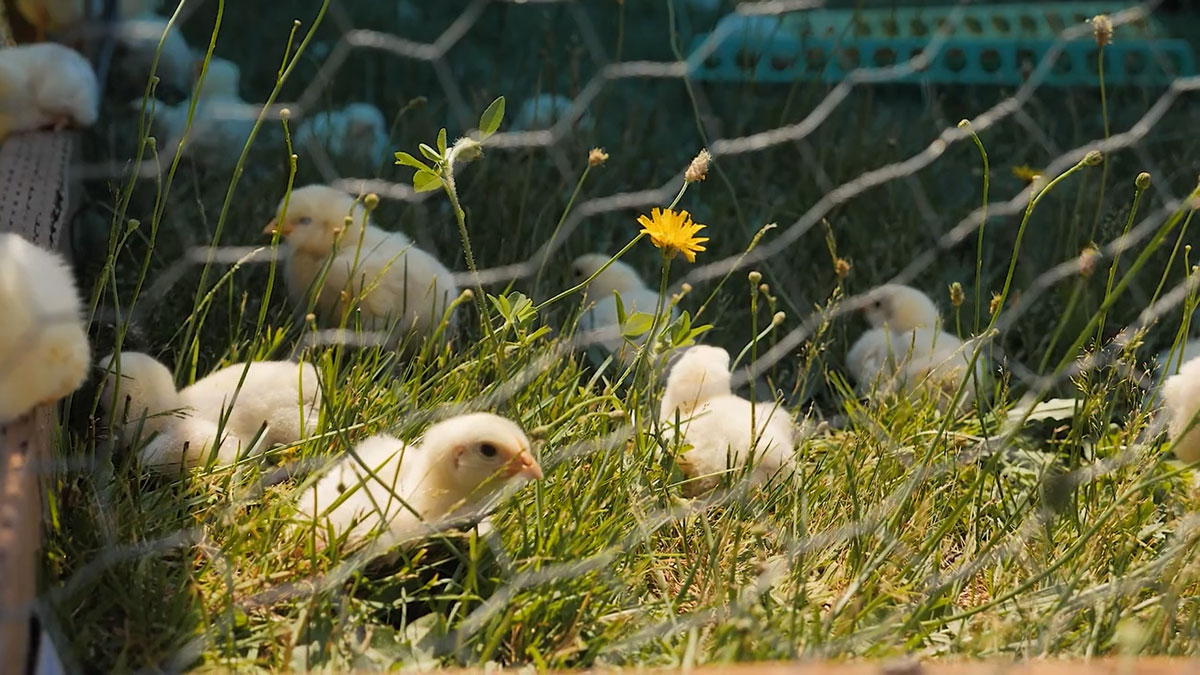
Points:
x=1112, y=270
x=561, y=219
x=583, y=284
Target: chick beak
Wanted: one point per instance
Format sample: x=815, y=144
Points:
x=274, y=226
x=525, y=466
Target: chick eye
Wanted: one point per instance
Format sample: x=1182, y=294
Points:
x=878, y=304
x=305, y=220
x=488, y=450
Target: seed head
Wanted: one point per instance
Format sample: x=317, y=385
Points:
x=348, y=221
x=467, y=150
x=467, y=295
x=684, y=289
x=310, y=317
x=1093, y=158
x=841, y=268
x=1087, y=261
x=764, y=289
x=596, y=157
x=371, y=201
x=754, y=276
x=964, y=124
x=778, y=318
x=1102, y=28
x=285, y=114
x=994, y=306
x=1142, y=181
x=956, y=294
x=698, y=169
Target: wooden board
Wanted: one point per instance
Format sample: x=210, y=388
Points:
x=36, y=201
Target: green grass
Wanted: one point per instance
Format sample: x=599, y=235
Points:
x=903, y=531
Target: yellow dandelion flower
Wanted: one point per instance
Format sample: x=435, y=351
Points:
x=673, y=232
x=1026, y=173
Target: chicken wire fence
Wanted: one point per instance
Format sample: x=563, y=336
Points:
x=1173, y=198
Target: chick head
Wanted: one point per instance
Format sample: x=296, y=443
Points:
x=222, y=78
x=316, y=219
x=143, y=384
x=700, y=374
x=478, y=453
x=901, y=308
x=617, y=277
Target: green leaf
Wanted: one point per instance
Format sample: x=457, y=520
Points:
x=441, y=142
x=490, y=120
x=621, y=316
x=430, y=154
x=683, y=326
x=405, y=159
x=638, y=324
x=426, y=180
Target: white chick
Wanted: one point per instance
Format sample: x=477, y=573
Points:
x=356, y=133
x=1181, y=398
x=724, y=431
x=601, y=318
x=399, y=288
x=137, y=37
x=54, y=16
x=907, y=350
x=1168, y=364
x=44, y=351
x=140, y=394
x=400, y=491
x=46, y=85
x=544, y=111
x=221, y=123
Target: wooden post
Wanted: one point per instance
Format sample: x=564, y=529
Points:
x=35, y=202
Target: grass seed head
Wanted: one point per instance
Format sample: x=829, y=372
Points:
x=956, y=294
x=597, y=157
x=1142, y=181
x=1102, y=29
x=698, y=169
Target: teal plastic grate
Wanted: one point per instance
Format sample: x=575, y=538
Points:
x=985, y=45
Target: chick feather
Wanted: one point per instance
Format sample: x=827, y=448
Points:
x=390, y=488
x=46, y=85
x=723, y=432
x=221, y=122
x=601, y=319
x=1181, y=399
x=280, y=399
x=44, y=352
x=399, y=288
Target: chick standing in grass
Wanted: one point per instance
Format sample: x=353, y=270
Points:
x=356, y=133
x=279, y=398
x=601, y=317
x=399, y=288
x=400, y=491
x=906, y=349
x=1181, y=398
x=44, y=351
x=221, y=122
x=725, y=432
x=46, y=85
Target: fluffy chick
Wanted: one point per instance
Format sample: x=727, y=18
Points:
x=724, y=431
x=1181, y=398
x=355, y=134
x=221, y=123
x=601, y=317
x=44, y=351
x=400, y=491
x=140, y=394
x=399, y=288
x=46, y=85
x=54, y=16
x=906, y=350
x=137, y=37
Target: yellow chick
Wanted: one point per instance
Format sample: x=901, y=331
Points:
x=46, y=85
x=907, y=350
x=399, y=491
x=600, y=320
x=1181, y=398
x=279, y=398
x=44, y=352
x=725, y=432
x=399, y=288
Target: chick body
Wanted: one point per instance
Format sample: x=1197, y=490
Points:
x=221, y=123
x=725, y=431
x=44, y=353
x=411, y=490
x=1181, y=398
x=356, y=133
x=54, y=16
x=137, y=36
x=281, y=398
x=399, y=288
x=46, y=85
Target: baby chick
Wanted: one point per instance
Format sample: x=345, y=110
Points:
x=221, y=123
x=44, y=351
x=400, y=491
x=54, y=16
x=601, y=317
x=46, y=85
x=907, y=350
x=137, y=37
x=356, y=134
x=398, y=287
x=544, y=111
x=140, y=394
x=1181, y=398
x=725, y=431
